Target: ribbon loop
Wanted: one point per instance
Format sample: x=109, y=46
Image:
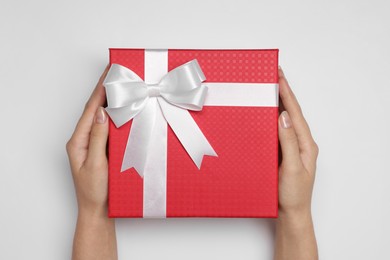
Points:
x=128, y=97
x=182, y=86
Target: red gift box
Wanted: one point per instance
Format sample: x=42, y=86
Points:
x=242, y=181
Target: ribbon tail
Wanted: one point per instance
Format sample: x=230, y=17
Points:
x=138, y=143
x=187, y=131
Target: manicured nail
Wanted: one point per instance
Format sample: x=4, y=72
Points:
x=285, y=120
x=101, y=116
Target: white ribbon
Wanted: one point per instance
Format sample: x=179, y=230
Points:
x=129, y=97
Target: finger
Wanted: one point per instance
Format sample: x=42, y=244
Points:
x=289, y=143
x=98, y=140
x=80, y=138
x=281, y=106
x=96, y=100
x=292, y=106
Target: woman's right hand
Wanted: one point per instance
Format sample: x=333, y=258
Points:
x=295, y=238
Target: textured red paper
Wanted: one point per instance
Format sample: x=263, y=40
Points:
x=242, y=181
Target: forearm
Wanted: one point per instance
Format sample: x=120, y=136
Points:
x=94, y=236
x=295, y=238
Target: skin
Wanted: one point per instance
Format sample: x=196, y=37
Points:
x=95, y=233
x=295, y=238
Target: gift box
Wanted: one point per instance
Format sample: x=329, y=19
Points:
x=193, y=133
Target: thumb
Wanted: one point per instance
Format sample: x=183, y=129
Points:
x=288, y=141
x=98, y=138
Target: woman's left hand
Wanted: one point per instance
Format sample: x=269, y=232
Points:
x=95, y=232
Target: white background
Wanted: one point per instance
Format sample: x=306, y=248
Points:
x=336, y=57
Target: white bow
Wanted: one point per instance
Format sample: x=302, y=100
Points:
x=129, y=97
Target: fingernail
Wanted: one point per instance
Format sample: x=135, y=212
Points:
x=285, y=120
x=101, y=116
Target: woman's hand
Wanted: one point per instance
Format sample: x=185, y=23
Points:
x=87, y=153
x=295, y=237
x=95, y=232
x=299, y=154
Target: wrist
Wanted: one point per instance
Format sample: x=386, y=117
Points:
x=93, y=213
x=295, y=218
